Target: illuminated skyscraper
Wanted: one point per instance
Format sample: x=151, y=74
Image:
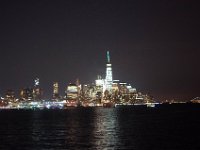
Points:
x=72, y=92
x=37, y=91
x=27, y=94
x=78, y=86
x=55, y=90
x=109, y=79
x=36, y=82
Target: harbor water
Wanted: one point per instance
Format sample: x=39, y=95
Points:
x=164, y=127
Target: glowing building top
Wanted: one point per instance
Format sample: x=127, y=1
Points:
x=37, y=82
x=108, y=57
x=108, y=80
x=55, y=88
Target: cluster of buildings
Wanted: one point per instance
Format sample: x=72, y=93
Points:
x=104, y=92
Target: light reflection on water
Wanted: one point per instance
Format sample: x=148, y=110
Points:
x=106, y=129
x=84, y=128
x=101, y=128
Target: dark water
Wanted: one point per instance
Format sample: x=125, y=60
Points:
x=172, y=127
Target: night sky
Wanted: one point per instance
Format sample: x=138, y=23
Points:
x=154, y=45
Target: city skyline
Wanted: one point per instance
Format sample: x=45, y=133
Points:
x=75, y=90
x=107, y=83
x=105, y=92
x=154, y=45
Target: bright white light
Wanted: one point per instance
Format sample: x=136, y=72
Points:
x=37, y=81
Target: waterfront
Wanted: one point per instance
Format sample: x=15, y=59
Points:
x=169, y=127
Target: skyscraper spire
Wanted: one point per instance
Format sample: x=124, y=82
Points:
x=108, y=80
x=108, y=57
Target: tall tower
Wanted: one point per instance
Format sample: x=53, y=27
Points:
x=108, y=80
x=55, y=90
x=37, y=91
x=37, y=82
